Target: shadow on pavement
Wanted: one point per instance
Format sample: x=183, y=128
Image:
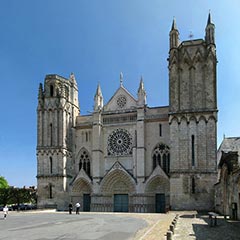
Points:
x=188, y=216
x=225, y=229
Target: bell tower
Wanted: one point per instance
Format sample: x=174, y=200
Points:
x=192, y=119
x=56, y=113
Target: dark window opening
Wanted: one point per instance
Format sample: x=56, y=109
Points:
x=50, y=191
x=160, y=130
x=51, y=165
x=154, y=161
x=161, y=157
x=80, y=165
x=51, y=90
x=84, y=163
x=168, y=163
x=193, y=151
x=51, y=134
x=164, y=163
x=159, y=160
x=193, y=185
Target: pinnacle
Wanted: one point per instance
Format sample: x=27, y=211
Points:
x=209, y=21
x=174, y=25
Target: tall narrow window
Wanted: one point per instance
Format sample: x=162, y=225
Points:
x=84, y=162
x=154, y=161
x=88, y=168
x=168, y=163
x=193, y=185
x=161, y=157
x=51, y=90
x=160, y=130
x=164, y=167
x=50, y=191
x=51, y=165
x=51, y=134
x=193, y=151
x=80, y=165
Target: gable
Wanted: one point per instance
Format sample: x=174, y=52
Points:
x=121, y=100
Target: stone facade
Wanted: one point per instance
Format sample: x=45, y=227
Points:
x=192, y=119
x=126, y=156
x=227, y=189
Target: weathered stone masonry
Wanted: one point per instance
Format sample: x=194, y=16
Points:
x=126, y=156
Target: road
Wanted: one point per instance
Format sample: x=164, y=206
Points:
x=61, y=225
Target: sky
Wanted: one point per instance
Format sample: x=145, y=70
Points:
x=96, y=40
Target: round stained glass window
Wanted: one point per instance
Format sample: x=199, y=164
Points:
x=120, y=143
x=121, y=101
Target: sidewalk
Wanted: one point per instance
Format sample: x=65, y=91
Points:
x=158, y=225
x=192, y=225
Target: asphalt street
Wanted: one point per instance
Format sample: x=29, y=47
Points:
x=61, y=225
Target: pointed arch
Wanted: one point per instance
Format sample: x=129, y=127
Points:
x=193, y=118
x=81, y=186
x=202, y=118
x=174, y=60
x=84, y=161
x=183, y=118
x=158, y=184
x=198, y=56
x=161, y=157
x=186, y=58
x=173, y=120
x=212, y=118
x=118, y=181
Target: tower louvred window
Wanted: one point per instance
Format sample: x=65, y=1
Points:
x=51, y=90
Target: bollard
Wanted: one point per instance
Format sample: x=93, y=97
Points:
x=174, y=223
x=169, y=235
x=172, y=228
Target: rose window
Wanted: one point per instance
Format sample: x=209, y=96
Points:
x=121, y=101
x=119, y=143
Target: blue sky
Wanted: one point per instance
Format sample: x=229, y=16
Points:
x=96, y=40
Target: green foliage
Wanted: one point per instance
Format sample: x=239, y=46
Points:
x=23, y=195
x=5, y=196
x=17, y=195
x=3, y=183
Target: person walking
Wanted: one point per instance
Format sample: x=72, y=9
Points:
x=5, y=212
x=77, y=207
x=70, y=207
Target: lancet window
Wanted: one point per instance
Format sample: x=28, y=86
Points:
x=84, y=162
x=161, y=157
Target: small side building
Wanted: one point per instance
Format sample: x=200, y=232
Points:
x=227, y=189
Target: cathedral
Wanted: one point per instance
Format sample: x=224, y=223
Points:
x=126, y=156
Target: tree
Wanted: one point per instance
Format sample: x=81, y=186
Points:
x=4, y=191
x=5, y=195
x=3, y=182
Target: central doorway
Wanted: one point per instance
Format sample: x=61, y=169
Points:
x=160, y=203
x=120, y=203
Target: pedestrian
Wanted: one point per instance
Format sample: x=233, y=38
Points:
x=77, y=207
x=70, y=207
x=5, y=211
